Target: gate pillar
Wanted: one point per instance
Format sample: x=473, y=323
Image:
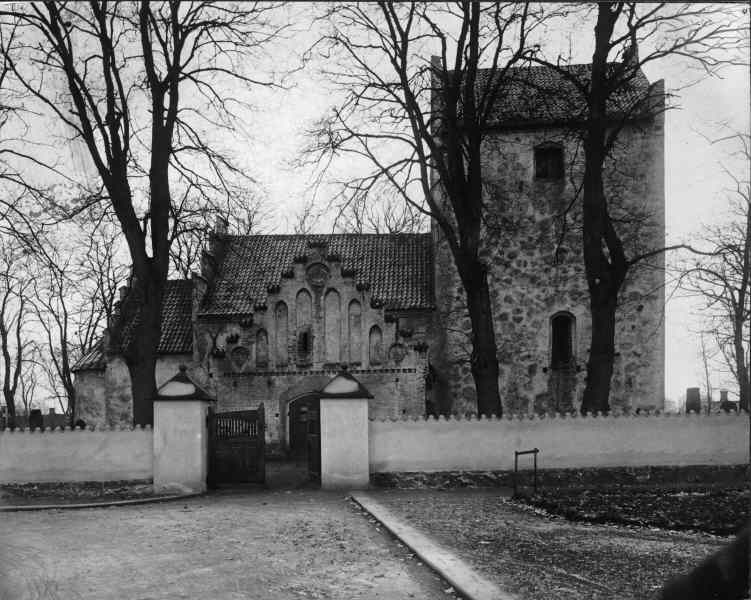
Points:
x=181, y=435
x=345, y=461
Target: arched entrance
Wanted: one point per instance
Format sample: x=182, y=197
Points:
x=562, y=380
x=302, y=445
x=302, y=421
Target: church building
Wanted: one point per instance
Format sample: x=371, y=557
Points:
x=271, y=318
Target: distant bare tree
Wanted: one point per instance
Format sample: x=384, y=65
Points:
x=15, y=313
x=73, y=272
x=192, y=225
x=710, y=35
x=28, y=384
x=147, y=85
x=99, y=266
x=721, y=276
x=706, y=357
x=305, y=220
x=387, y=216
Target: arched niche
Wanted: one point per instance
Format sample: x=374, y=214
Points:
x=281, y=333
x=304, y=326
x=354, y=332
x=262, y=349
x=562, y=335
x=332, y=326
x=375, y=345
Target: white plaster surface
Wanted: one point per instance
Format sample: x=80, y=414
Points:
x=28, y=457
x=578, y=442
x=344, y=443
x=180, y=445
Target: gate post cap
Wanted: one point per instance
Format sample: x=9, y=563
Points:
x=182, y=387
x=344, y=385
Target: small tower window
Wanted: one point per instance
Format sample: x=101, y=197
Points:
x=562, y=347
x=549, y=162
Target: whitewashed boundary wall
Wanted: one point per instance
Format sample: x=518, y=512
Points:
x=431, y=445
x=76, y=455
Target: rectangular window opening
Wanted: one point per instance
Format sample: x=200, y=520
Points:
x=549, y=162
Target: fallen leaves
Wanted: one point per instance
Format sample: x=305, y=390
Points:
x=718, y=511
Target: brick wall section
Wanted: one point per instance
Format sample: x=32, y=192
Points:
x=529, y=286
x=398, y=382
x=565, y=443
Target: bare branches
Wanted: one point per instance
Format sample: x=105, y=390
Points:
x=193, y=225
x=14, y=317
x=420, y=84
x=721, y=276
x=382, y=58
x=148, y=89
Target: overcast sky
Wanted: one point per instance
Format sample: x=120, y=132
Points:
x=694, y=179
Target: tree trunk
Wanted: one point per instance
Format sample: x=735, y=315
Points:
x=11, y=408
x=601, y=354
x=604, y=257
x=141, y=353
x=484, y=360
x=741, y=368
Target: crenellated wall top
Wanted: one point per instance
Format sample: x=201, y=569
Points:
x=81, y=430
x=570, y=416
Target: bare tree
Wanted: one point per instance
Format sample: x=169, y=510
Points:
x=390, y=215
x=244, y=213
x=28, y=384
x=100, y=270
x=146, y=84
x=415, y=127
x=73, y=272
x=710, y=35
x=705, y=359
x=15, y=312
x=304, y=221
x=720, y=274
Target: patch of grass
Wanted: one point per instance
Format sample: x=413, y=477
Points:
x=719, y=511
x=536, y=557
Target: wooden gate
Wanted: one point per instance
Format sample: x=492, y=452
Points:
x=236, y=447
x=314, y=450
x=305, y=433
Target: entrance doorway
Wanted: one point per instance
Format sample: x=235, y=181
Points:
x=304, y=428
x=236, y=447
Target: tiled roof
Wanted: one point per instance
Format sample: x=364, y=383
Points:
x=93, y=360
x=396, y=267
x=539, y=94
x=177, y=332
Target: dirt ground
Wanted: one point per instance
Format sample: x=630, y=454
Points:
x=539, y=557
x=257, y=544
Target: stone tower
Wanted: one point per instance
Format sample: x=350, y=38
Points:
x=532, y=170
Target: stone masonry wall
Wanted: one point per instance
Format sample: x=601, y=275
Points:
x=530, y=283
x=104, y=398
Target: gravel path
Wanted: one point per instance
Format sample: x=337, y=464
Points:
x=539, y=557
x=270, y=545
